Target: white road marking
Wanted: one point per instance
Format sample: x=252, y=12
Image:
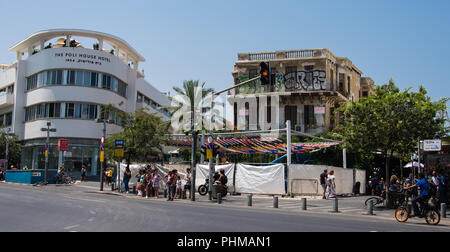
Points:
x=70, y=227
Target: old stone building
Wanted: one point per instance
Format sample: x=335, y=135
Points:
x=306, y=88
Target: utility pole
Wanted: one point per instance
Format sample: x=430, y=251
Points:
x=288, y=151
x=47, y=143
x=102, y=152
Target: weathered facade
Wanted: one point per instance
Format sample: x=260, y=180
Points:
x=307, y=87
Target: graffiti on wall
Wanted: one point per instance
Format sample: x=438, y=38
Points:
x=305, y=80
x=296, y=81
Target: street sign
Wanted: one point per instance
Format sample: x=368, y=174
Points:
x=432, y=145
x=63, y=145
x=119, y=144
x=209, y=140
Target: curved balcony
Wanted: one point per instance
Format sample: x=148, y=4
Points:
x=111, y=44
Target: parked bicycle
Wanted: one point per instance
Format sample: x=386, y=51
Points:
x=396, y=199
x=429, y=212
x=62, y=178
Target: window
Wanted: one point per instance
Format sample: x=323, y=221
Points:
x=94, y=77
x=84, y=111
x=341, y=82
x=78, y=78
x=331, y=79
x=87, y=79
x=77, y=111
x=309, y=67
x=348, y=85
x=70, y=108
x=365, y=94
x=92, y=112
x=252, y=73
x=8, y=119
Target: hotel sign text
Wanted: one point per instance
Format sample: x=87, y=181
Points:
x=83, y=58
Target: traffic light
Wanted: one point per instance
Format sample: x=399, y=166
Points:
x=203, y=149
x=264, y=71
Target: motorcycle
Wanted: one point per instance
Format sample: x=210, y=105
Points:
x=204, y=188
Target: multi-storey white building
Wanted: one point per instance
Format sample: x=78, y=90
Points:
x=57, y=79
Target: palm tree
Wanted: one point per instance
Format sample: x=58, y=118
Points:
x=192, y=97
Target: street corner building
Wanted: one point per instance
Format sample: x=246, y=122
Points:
x=307, y=86
x=58, y=78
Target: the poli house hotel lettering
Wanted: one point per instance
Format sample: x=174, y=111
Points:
x=83, y=58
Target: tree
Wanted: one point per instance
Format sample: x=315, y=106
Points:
x=14, y=149
x=191, y=99
x=391, y=122
x=144, y=134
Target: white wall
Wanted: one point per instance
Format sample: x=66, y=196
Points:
x=344, y=177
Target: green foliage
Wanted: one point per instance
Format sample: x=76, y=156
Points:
x=144, y=134
x=14, y=149
x=391, y=121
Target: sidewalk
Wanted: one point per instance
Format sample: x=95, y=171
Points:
x=350, y=206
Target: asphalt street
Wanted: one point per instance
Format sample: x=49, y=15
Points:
x=76, y=209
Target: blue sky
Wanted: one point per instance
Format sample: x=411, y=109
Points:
x=406, y=40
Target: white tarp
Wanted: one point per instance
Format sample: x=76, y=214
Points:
x=260, y=179
x=304, y=174
x=203, y=173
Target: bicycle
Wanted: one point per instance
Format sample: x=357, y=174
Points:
x=396, y=199
x=430, y=213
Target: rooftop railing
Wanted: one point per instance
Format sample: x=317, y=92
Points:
x=291, y=54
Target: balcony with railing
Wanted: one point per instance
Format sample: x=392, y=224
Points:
x=290, y=54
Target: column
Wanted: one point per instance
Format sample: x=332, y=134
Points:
x=68, y=40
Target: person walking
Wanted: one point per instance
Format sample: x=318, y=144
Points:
x=156, y=180
x=187, y=186
x=170, y=181
x=83, y=173
x=126, y=179
x=443, y=188
x=323, y=182
x=178, y=188
x=331, y=186
x=148, y=184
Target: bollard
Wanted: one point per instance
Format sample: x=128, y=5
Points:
x=335, y=205
x=113, y=186
x=304, y=204
x=219, y=198
x=275, y=202
x=165, y=193
x=183, y=194
x=370, y=207
x=249, y=198
x=444, y=210
x=134, y=189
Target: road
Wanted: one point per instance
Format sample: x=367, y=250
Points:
x=63, y=209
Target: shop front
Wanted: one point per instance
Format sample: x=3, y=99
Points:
x=80, y=152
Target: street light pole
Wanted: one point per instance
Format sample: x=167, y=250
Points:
x=47, y=143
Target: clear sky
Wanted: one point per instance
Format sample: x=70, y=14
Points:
x=407, y=40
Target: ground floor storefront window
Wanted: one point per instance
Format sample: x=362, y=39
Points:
x=81, y=152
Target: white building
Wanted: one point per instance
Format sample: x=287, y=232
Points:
x=58, y=79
